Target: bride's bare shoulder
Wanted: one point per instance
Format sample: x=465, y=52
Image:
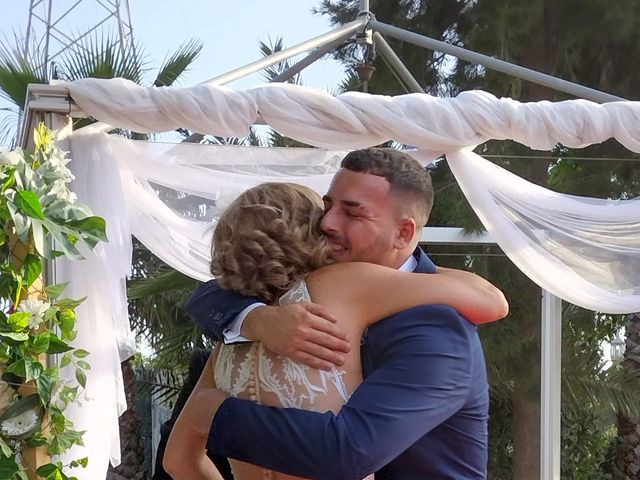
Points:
x=346, y=272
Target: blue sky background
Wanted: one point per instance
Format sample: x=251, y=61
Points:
x=229, y=30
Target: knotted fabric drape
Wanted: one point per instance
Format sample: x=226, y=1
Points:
x=585, y=250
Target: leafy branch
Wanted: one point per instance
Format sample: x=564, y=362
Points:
x=40, y=219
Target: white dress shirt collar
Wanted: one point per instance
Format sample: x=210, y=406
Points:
x=409, y=265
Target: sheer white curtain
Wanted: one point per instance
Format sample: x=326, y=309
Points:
x=141, y=189
x=586, y=251
x=583, y=250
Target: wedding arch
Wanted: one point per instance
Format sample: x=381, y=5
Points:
x=583, y=250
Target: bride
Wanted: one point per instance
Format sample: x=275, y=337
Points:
x=268, y=244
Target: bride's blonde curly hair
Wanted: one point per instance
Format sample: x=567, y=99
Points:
x=268, y=238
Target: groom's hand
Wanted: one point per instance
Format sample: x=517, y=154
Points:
x=304, y=332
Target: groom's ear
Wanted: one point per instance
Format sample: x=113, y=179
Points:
x=406, y=232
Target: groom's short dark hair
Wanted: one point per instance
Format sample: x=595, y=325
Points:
x=405, y=175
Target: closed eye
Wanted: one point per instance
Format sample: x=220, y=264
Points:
x=327, y=204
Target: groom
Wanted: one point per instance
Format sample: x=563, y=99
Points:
x=421, y=411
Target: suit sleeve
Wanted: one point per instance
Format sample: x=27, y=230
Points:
x=213, y=308
x=423, y=377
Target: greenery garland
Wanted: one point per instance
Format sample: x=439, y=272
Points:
x=41, y=220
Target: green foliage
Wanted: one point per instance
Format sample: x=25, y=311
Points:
x=586, y=440
x=37, y=211
x=17, y=68
x=103, y=57
x=157, y=297
x=177, y=63
x=270, y=73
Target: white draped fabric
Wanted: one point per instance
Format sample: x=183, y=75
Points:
x=103, y=327
x=586, y=251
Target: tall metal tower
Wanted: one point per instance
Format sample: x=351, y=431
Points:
x=54, y=27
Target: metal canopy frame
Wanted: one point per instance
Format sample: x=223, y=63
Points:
x=51, y=103
x=54, y=40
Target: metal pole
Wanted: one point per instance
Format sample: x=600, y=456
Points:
x=120, y=29
x=455, y=236
x=46, y=42
x=397, y=67
x=131, y=39
x=339, y=34
x=364, y=7
x=28, y=36
x=495, y=64
x=550, y=386
x=306, y=61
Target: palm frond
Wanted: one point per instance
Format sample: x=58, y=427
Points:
x=254, y=138
x=103, y=57
x=163, y=384
x=161, y=282
x=349, y=83
x=178, y=63
x=272, y=47
x=18, y=69
x=229, y=141
x=9, y=127
x=157, y=296
x=612, y=392
x=275, y=139
x=273, y=71
x=175, y=348
x=162, y=320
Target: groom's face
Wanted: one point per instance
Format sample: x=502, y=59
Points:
x=360, y=219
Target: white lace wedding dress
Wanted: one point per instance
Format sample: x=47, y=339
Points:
x=249, y=370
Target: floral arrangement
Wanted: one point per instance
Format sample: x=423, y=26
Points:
x=41, y=219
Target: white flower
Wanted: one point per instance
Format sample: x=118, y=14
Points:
x=11, y=158
x=36, y=308
x=19, y=424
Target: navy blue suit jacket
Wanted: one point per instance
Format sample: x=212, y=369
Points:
x=420, y=413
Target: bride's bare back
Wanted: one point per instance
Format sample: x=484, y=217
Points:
x=251, y=371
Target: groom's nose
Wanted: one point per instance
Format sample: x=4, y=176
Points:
x=328, y=224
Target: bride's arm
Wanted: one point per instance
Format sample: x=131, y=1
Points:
x=185, y=457
x=372, y=292
x=486, y=302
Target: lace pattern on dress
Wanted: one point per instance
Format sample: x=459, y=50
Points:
x=242, y=370
x=251, y=371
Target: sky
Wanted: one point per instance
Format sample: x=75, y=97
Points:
x=229, y=30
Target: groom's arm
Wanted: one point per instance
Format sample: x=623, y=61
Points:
x=305, y=332
x=213, y=308
x=423, y=378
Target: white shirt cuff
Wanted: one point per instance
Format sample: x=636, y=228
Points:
x=232, y=334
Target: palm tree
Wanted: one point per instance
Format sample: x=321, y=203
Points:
x=17, y=70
